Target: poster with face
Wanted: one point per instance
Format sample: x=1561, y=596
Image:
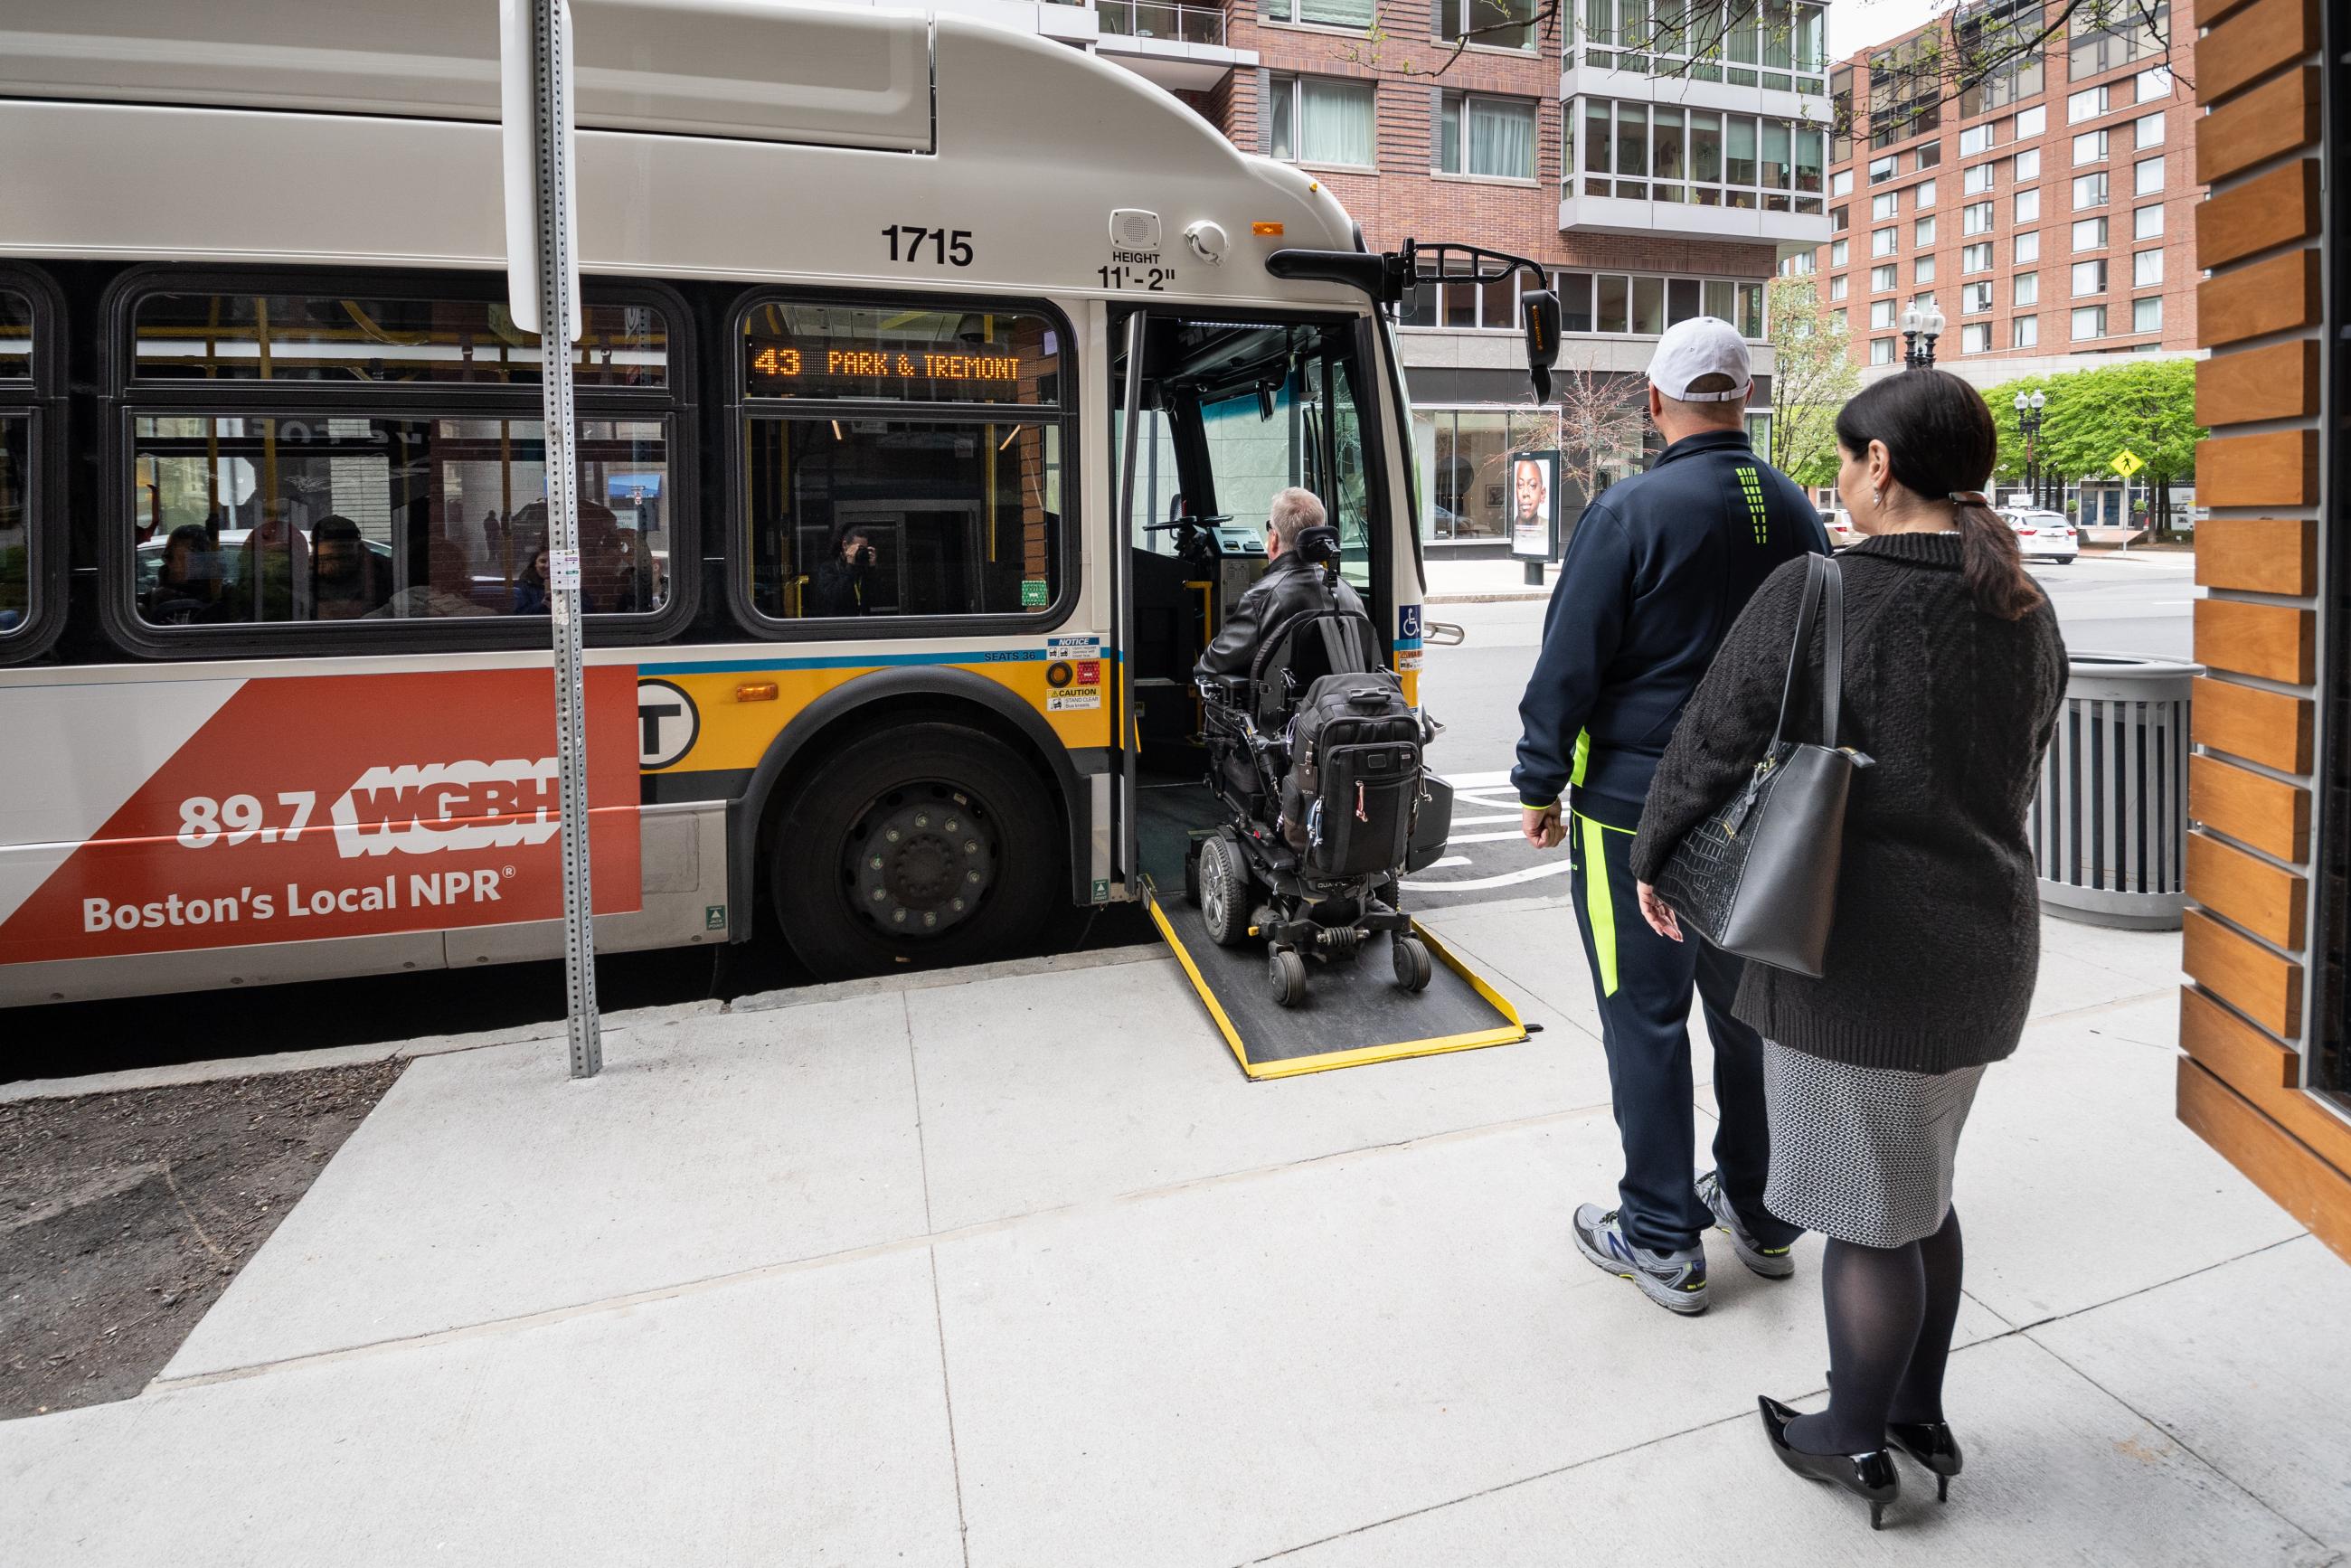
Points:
x=1534, y=505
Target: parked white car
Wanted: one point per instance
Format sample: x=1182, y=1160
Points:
x=2044, y=536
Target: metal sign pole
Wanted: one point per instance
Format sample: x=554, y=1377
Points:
x=558, y=315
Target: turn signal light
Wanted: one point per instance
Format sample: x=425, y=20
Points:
x=1266, y=231
x=755, y=691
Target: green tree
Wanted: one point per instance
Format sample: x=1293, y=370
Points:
x=1813, y=377
x=2147, y=407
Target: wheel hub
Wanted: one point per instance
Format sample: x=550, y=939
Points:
x=920, y=861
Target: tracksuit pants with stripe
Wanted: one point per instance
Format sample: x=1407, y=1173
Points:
x=1644, y=983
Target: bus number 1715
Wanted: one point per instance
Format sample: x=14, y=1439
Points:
x=947, y=248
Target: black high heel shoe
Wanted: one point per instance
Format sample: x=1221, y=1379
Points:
x=1870, y=1477
x=1930, y=1443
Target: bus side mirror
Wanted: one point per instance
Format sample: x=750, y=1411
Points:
x=1538, y=313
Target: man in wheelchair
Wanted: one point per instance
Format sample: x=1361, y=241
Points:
x=1317, y=756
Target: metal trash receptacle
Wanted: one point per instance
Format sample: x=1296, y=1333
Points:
x=2110, y=824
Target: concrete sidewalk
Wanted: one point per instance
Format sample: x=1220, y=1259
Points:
x=1019, y=1272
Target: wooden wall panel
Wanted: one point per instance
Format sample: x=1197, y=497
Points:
x=2274, y=118
x=2243, y=888
x=2273, y=296
x=2277, y=469
x=2275, y=642
x=2250, y=808
x=2280, y=381
x=2260, y=555
x=2257, y=983
x=2272, y=209
x=2251, y=43
x=2315, y=1193
x=2266, y=1074
x=2267, y=727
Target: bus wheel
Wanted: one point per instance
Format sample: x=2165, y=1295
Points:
x=923, y=845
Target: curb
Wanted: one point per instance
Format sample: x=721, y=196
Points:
x=181, y=1074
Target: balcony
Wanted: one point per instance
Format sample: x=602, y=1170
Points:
x=1181, y=47
x=1642, y=167
x=1771, y=59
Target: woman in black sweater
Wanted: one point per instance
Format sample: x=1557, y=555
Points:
x=1954, y=673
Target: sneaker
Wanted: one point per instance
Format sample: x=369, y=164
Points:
x=1771, y=1263
x=1675, y=1280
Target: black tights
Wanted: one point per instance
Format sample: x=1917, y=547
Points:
x=1890, y=1312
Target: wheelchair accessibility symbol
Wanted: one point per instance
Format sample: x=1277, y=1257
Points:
x=1408, y=622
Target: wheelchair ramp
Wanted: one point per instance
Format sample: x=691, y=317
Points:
x=1352, y=1015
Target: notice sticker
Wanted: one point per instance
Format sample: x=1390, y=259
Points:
x=1034, y=593
x=1072, y=701
x=1072, y=647
x=563, y=570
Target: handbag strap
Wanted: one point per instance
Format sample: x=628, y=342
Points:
x=1822, y=582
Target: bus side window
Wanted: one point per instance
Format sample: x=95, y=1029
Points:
x=902, y=462
x=20, y=541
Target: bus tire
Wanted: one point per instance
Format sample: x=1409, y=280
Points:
x=920, y=846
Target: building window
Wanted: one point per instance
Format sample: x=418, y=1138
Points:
x=1882, y=242
x=1905, y=91
x=2028, y=248
x=1840, y=252
x=1922, y=270
x=2147, y=223
x=1881, y=169
x=2090, y=191
x=2146, y=269
x=1975, y=338
x=1840, y=218
x=2028, y=206
x=2090, y=234
x=2024, y=332
x=1464, y=460
x=2103, y=37
x=1975, y=299
x=2032, y=122
x=1976, y=219
x=2153, y=85
x=1729, y=160
x=1352, y=15
x=2147, y=177
x=1321, y=119
x=1978, y=178
x=2089, y=278
x=1840, y=183
x=1836, y=322
x=1881, y=278
x=1881, y=313
x=1922, y=194
x=1837, y=286
x=2090, y=147
x=1490, y=137
x=1922, y=231
x=1974, y=139
x=2024, y=289
x=1487, y=23
x=1790, y=43
x=1882, y=207
x=2089, y=322
x=2087, y=104
x=2148, y=130
x=1976, y=258
x=1881, y=350
x=1926, y=155
x=2146, y=315
x=2028, y=164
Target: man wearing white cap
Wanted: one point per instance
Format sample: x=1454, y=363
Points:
x=1659, y=569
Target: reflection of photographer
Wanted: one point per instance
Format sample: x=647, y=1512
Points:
x=842, y=583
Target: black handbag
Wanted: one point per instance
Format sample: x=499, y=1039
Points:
x=1759, y=877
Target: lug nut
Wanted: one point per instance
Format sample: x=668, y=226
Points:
x=898, y=915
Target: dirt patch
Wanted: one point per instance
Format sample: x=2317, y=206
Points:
x=123, y=1215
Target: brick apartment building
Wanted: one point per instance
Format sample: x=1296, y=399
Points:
x=2047, y=210
x=1649, y=185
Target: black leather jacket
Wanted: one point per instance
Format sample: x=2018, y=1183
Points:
x=1290, y=586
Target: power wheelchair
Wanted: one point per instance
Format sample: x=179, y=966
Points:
x=1318, y=761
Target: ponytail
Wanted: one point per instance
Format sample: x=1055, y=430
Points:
x=1941, y=443
x=1993, y=565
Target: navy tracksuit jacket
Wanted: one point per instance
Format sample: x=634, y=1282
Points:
x=1660, y=566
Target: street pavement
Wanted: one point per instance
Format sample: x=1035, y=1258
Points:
x=1012, y=1269
x=2109, y=604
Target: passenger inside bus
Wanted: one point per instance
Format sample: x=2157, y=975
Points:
x=349, y=582
x=187, y=588
x=273, y=579
x=840, y=587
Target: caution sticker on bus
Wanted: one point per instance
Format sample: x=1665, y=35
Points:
x=309, y=807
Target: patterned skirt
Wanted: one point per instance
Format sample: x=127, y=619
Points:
x=1861, y=1154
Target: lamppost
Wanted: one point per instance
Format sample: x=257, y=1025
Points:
x=1920, y=321
x=2028, y=420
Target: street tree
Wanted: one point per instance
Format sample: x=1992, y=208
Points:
x=1603, y=416
x=2144, y=407
x=1813, y=378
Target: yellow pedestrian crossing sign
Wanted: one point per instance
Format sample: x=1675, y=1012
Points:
x=2127, y=463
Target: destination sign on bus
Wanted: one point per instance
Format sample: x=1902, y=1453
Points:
x=805, y=349
x=848, y=371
